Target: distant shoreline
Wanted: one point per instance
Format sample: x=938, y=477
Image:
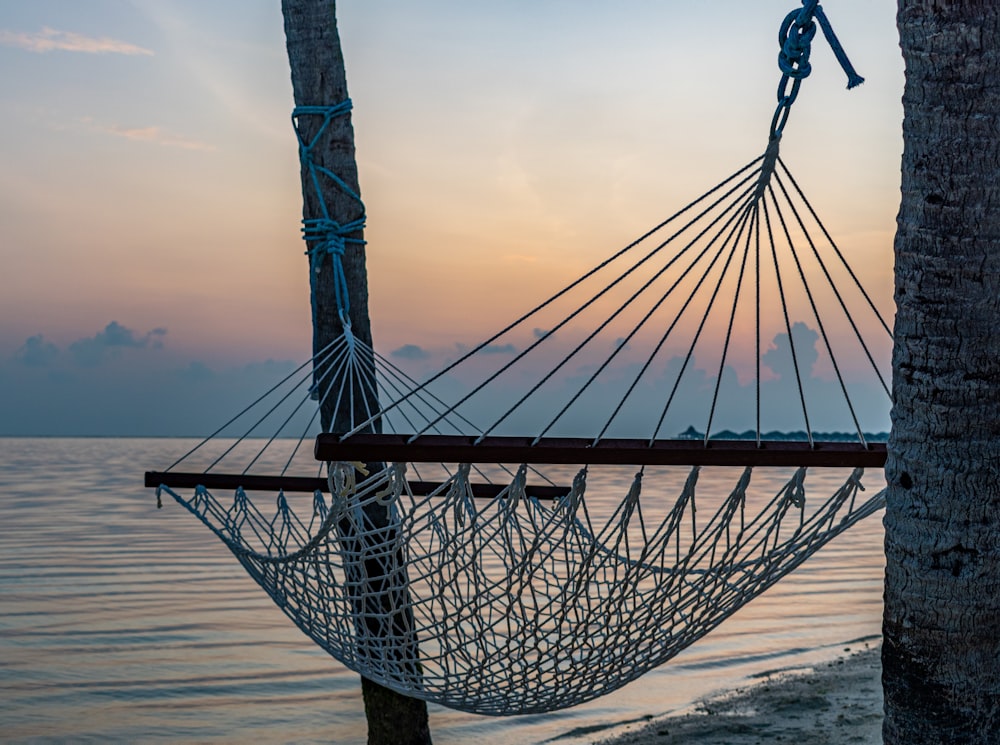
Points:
x=797, y=436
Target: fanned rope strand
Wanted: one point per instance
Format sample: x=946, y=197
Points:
x=819, y=321
x=788, y=325
x=649, y=314
x=737, y=231
x=857, y=282
x=754, y=216
x=670, y=328
x=618, y=311
x=580, y=280
x=833, y=286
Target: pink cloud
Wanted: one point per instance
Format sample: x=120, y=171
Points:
x=50, y=39
x=156, y=136
x=152, y=135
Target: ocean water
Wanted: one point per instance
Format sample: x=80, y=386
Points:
x=123, y=623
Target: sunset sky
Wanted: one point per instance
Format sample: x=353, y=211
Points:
x=149, y=192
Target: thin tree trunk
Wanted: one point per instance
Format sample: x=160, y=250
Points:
x=941, y=653
x=319, y=79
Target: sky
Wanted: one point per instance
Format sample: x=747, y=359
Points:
x=153, y=277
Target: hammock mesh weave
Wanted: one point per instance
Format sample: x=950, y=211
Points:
x=514, y=605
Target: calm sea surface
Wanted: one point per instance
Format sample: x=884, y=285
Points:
x=123, y=623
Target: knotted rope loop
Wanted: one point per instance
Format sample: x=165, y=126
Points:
x=327, y=112
x=327, y=237
x=631, y=500
x=795, y=36
x=200, y=496
x=795, y=490
x=739, y=494
x=282, y=502
x=570, y=504
x=320, y=509
x=342, y=481
x=395, y=486
x=517, y=487
x=459, y=493
x=854, y=485
x=855, y=478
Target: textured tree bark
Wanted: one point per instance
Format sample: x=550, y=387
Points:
x=319, y=79
x=941, y=652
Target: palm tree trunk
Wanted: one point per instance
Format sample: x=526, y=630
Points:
x=941, y=652
x=319, y=79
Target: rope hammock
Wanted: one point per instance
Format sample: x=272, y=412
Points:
x=434, y=548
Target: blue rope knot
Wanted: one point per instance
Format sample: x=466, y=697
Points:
x=795, y=40
x=330, y=238
x=327, y=112
x=795, y=36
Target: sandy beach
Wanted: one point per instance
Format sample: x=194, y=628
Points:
x=835, y=703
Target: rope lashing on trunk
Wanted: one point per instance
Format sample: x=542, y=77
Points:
x=324, y=235
x=583, y=552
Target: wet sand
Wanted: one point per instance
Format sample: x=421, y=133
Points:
x=835, y=703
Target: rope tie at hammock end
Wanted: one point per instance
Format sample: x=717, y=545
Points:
x=796, y=493
x=570, y=503
x=394, y=487
x=767, y=166
x=517, y=490
x=856, y=478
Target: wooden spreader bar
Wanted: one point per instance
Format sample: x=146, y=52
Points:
x=292, y=484
x=580, y=451
x=553, y=450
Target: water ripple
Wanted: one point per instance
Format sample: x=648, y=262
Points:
x=124, y=623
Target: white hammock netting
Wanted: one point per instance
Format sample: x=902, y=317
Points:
x=514, y=605
x=522, y=587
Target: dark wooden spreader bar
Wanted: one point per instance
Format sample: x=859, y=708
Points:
x=553, y=450
x=292, y=484
x=181, y=480
x=566, y=450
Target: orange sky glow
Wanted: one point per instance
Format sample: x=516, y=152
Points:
x=150, y=173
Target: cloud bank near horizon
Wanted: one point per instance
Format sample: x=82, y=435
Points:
x=122, y=382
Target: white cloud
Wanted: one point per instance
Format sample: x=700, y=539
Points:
x=157, y=136
x=499, y=349
x=50, y=40
x=410, y=352
x=37, y=352
x=152, y=135
x=97, y=349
